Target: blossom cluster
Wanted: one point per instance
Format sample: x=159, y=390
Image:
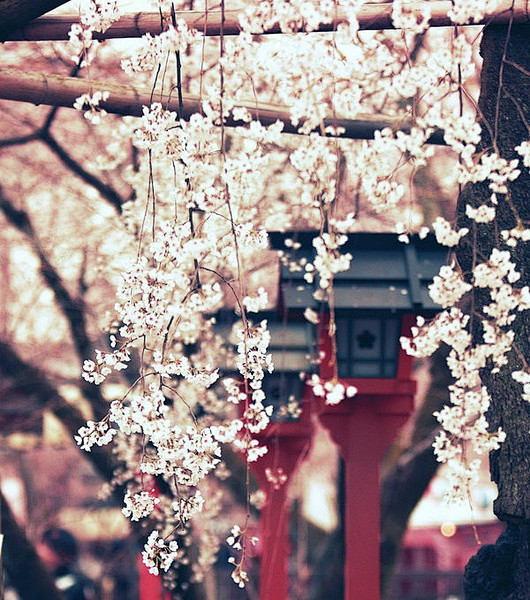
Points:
x=205, y=199
x=90, y=104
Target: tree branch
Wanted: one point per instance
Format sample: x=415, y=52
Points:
x=19, y=140
x=107, y=191
x=73, y=309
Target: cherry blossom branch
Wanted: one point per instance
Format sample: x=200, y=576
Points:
x=370, y=16
x=28, y=380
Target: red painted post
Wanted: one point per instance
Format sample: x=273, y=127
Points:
x=274, y=526
x=149, y=586
x=362, y=435
x=286, y=452
x=363, y=427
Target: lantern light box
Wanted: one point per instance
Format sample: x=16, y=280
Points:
x=386, y=280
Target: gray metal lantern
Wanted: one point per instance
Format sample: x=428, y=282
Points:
x=386, y=280
x=367, y=346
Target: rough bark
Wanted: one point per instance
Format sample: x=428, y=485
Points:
x=14, y=14
x=26, y=571
x=504, y=102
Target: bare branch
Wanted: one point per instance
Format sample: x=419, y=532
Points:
x=370, y=16
x=106, y=191
x=56, y=90
x=73, y=309
x=19, y=140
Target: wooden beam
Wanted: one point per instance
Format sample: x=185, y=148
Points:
x=370, y=16
x=14, y=14
x=56, y=90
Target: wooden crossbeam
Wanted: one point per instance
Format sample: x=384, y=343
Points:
x=370, y=16
x=57, y=90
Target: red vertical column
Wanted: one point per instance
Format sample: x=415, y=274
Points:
x=363, y=428
x=274, y=582
x=357, y=437
x=286, y=452
x=149, y=586
x=362, y=543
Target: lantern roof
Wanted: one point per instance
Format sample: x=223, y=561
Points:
x=385, y=274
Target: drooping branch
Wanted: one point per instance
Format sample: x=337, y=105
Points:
x=56, y=90
x=16, y=13
x=370, y=16
x=21, y=560
x=28, y=380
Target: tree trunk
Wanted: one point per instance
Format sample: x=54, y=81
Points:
x=27, y=574
x=504, y=102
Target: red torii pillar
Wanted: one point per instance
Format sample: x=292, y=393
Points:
x=288, y=443
x=149, y=585
x=363, y=427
